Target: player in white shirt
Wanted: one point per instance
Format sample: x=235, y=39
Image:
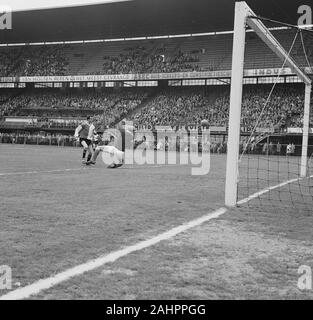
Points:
x=113, y=157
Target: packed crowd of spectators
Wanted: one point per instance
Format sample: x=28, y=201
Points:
x=33, y=61
x=4, y=110
x=52, y=61
x=9, y=104
x=140, y=60
x=46, y=123
x=7, y=60
x=54, y=113
x=119, y=110
x=175, y=106
x=106, y=108
x=68, y=100
x=171, y=107
x=176, y=55
x=184, y=107
x=283, y=109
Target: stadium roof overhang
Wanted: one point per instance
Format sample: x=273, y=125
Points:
x=138, y=18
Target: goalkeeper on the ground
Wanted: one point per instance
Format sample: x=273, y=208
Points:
x=113, y=157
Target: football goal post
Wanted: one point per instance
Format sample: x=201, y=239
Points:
x=245, y=17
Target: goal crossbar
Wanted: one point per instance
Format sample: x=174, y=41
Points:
x=262, y=31
x=244, y=16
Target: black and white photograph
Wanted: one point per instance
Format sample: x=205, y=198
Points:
x=156, y=155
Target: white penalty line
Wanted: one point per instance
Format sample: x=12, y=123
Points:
x=267, y=190
x=44, y=284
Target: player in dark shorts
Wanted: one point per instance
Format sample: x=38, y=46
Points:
x=87, y=141
x=84, y=133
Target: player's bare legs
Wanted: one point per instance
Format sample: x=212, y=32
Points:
x=95, y=155
x=86, y=149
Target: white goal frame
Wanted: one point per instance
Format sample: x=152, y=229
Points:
x=245, y=16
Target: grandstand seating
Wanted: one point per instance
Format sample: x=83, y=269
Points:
x=148, y=106
x=32, y=61
x=106, y=107
x=182, y=106
x=199, y=53
x=171, y=106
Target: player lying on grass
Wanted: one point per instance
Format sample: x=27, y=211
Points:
x=115, y=157
x=84, y=133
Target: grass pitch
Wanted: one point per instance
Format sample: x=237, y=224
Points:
x=57, y=214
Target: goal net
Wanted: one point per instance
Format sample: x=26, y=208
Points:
x=270, y=150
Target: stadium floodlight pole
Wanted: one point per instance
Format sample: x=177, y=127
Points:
x=232, y=168
x=306, y=130
x=245, y=16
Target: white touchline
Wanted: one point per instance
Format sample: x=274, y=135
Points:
x=44, y=284
x=37, y=172
x=42, y=148
x=143, y=167
x=65, y=170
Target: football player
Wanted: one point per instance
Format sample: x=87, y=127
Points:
x=115, y=157
x=84, y=133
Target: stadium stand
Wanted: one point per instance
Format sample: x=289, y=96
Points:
x=33, y=61
x=46, y=105
x=190, y=106
x=172, y=106
x=54, y=108
x=203, y=53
